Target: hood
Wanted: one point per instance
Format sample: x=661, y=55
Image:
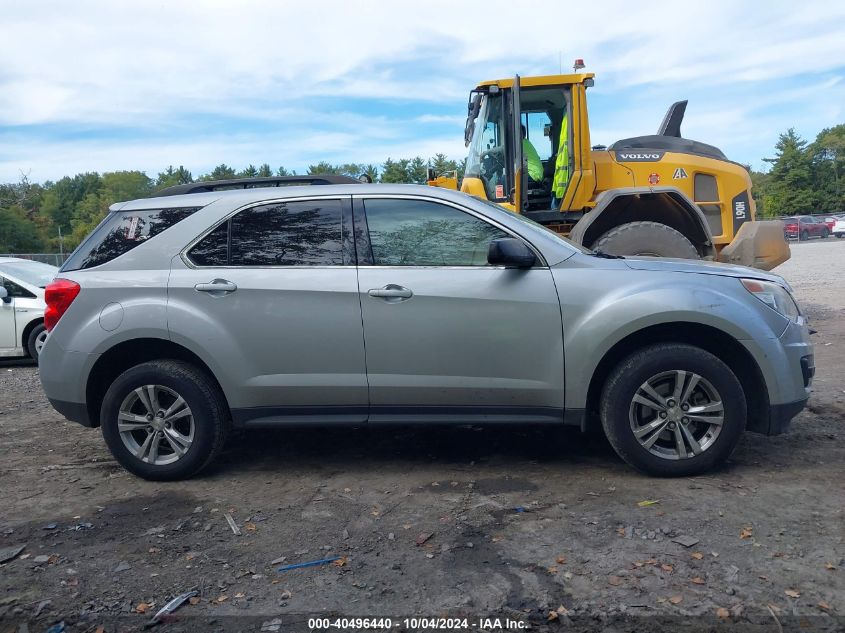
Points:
x=666, y=264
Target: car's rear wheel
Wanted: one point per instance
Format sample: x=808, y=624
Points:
x=35, y=341
x=673, y=410
x=164, y=420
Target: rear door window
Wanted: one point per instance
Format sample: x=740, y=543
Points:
x=299, y=233
x=122, y=231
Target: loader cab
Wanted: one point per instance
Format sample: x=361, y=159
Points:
x=497, y=114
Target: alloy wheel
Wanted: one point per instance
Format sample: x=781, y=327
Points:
x=39, y=342
x=676, y=414
x=156, y=424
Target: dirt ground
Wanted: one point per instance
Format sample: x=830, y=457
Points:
x=464, y=522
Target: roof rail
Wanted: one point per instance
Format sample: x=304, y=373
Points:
x=252, y=183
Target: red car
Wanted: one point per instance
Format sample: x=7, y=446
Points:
x=804, y=227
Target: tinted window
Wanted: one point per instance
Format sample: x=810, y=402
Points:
x=15, y=290
x=213, y=249
x=422, y=233
x=122, y=231
x=306, y=233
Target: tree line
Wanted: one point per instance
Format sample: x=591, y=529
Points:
x=804, y=177
x=54, y=216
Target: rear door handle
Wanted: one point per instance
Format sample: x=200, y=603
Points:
x=391, y=292
x=217, y=287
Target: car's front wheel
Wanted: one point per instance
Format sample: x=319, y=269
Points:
x=164, y=420
x=673, y=409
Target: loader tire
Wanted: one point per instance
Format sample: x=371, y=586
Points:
x=645, y=238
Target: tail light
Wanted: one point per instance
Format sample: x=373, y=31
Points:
x=59, y=294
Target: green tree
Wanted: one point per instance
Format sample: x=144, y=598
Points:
x=173, y=176
x=18, y=234
x=125, y=185
x=265, y=171
x=221, y=172
x=395, y=171
x=323, y=168
x=829, y=155
x=370, y=170
x=417, y=170
x=62, y=196
x=86, y=216
x=790, y=188
x=442, y=165
x=251, y=171
x=759, y=188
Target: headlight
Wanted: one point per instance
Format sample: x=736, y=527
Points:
x=773, y=295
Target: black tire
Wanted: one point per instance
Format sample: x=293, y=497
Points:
x=203, y=397
x=825, y=233
x=646, y=238
x=804, y=236
x=839, y=235
x=624, y=382
x=32, y=341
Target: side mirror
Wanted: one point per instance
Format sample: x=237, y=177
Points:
x=511, y=252
x=4, y=295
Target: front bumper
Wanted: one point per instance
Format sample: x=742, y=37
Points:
x=778, y=419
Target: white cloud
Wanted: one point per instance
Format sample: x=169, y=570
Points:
x=105, y=65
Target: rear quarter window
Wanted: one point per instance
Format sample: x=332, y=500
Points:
x=122, y=231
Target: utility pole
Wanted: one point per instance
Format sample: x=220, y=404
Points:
x=61, y=246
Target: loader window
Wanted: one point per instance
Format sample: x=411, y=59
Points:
x=538, y=132
x=487, y=160
x=543, y=112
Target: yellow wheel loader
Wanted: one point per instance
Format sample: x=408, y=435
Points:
x=662, y=195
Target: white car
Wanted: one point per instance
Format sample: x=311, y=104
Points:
x=839, y=226
x=22, y=283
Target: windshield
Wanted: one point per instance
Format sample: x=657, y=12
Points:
x=33, y=273
x=486, y=159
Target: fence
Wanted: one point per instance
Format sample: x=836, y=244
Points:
x=56, y=259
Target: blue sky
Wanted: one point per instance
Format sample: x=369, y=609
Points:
x=103, y=86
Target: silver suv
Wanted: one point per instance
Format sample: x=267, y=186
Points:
x=185, y=316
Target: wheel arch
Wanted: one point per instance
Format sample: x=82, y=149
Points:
x=126, y=354
x=666, y=205
x=711, y=339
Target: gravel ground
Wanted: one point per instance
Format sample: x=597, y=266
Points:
x=813, y=270
x=508, y=523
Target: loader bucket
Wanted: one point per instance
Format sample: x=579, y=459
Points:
x=758, y=245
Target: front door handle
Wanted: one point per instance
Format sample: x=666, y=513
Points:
x=391, y=293
x=218, y=287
